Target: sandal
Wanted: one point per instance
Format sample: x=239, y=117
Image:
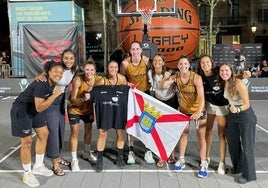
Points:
x=63, y=162
x=160, y=163
x=171, y=160
x=58, y=171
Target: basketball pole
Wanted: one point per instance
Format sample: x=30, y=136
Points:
x=145, y=37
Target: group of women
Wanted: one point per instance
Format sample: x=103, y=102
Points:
x=226, y=103
x=214, y=94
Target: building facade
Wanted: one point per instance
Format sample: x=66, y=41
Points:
x=232, y=23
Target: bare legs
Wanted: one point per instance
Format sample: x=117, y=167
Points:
x=200, y=132
x=40, y=146
x=221, y=121
x=103, y=136
x=75, y=133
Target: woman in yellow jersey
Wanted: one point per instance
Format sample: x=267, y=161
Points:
x=78, y=110
x=112, y=78
x=135, y=68
x=191, y=95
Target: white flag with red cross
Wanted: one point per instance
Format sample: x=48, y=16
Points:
x=154, y=123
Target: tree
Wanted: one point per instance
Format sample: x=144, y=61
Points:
x=212, y=4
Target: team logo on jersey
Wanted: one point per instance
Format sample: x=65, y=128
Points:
x=115, y=99
x=148, y=118
x=26, y=131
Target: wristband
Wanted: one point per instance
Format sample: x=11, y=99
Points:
x=238, y=110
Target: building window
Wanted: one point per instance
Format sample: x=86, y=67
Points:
x=233, y=12
x=263, y=13
x=204, y=14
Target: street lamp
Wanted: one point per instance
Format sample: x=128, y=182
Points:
x=99, y=35
x=98, y=38
x=253, y=28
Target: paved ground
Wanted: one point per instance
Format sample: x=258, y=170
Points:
x=134, y=176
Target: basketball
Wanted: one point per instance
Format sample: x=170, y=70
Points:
x=174, y=35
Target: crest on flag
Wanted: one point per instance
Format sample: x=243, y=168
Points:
x=148, y=118
x=154, y=123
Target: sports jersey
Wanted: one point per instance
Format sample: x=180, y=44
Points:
x=213, y=91
x=118, y=82
x=138, y=75
x=110, y=106
x=187, y=94
x=35, y=89
x=86, y=107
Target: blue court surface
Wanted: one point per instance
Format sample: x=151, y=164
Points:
x=139, y=175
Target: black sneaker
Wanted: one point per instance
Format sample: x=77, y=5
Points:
x=99, y=166
x=120, y=162
x=240, y=180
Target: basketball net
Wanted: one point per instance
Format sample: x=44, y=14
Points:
x=146, y=14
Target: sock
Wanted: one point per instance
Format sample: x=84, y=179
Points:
x=87, y=148
x=26, y=167
x=39, y=158
x=99, y=155
x=204, y=164
x=74, y=155
x=182, y=158
x=120, y=152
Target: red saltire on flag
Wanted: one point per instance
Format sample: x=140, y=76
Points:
x=154, y=123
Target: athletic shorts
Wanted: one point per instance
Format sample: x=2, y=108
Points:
x=217, y=110
x=23, y=120
x=75, y=118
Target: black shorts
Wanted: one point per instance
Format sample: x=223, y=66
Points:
x=75, y=118
x=23, y=119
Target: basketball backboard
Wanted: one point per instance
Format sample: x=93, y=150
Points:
x=132, y=7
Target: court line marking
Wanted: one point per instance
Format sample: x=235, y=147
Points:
x=133, y=171
x=14, y=149
x=263, y=129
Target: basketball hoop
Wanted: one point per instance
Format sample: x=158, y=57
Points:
x=146, y=14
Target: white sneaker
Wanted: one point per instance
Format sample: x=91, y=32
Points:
x=42, y=170
x=179, y=165
x=221, y=168
x=29, y=179
x=75, y=166
x=131, y=158
x=148, y=157
x=88, y=155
